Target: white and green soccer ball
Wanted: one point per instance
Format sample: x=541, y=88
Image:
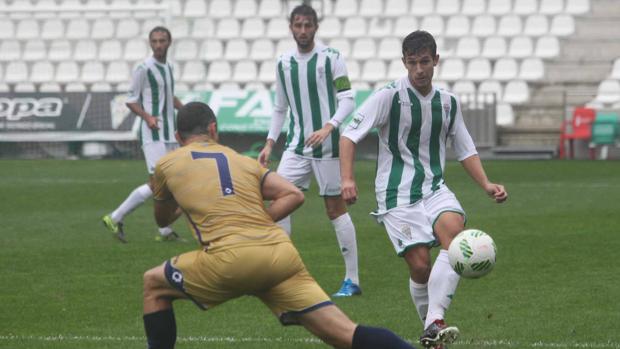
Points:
x=472, y=253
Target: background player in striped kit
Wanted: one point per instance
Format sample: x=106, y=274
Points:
x=312, y=81
x=415, y=121
x=151, y=97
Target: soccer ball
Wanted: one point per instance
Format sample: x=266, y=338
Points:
x=472, y=253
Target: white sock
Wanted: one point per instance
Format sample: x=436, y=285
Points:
x=285, y=223
x=419, y=296
x=442, y=284
x=136, y=198
x=165, y=231
x=345, y=233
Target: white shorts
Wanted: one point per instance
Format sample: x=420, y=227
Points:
x=298, y=169
x=153, y=151
x=413, y=225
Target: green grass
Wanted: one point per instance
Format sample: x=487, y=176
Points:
x=65, y=283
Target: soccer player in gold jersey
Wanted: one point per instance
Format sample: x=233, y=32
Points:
x=242, y=251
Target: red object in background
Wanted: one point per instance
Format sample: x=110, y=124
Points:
x=579, y=127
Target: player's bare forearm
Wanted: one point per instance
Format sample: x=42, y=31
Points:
x=137, y=109
x=347, y=176
x=177, y=103
x=473, y=167
x=285, y=197
x=263, y=156
x=317, y=137
x=166, y=212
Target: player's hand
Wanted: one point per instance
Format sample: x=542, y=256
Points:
x=317, y=137
x=497, y=192
x=263, y=156
x=349, y=191
x=152, y=122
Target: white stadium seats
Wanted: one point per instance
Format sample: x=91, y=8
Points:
x=212, y=50
x=244, y=71
x=478, y=69
x=262, y=50
x=236, y=49
x=551, y=7
x=536, y=25
x=117, y=72
x=457, y=26
x=42, y=71
x=15, y=72
x=185, y=50
x=499, y=7
x=253, y=28
x=220, y=9
x=521, y=47
x=354, y=27
x=245, y=9
x=525, y=7
x=193, y=72
x=516, y=92
x=532, y=69
x=505, y=69
x=451, y=69
x=110, y=50
x=547, y=47
x=494, y=47
x=422, y=7
x=473, y=7
x=10, y=50
x=468, y=47
x=34, y=50
x=53, y=29
x=92, y=72
x=67, y=72
x=484, y=25
x=448, y=7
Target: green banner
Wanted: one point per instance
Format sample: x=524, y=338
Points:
x=245, y=111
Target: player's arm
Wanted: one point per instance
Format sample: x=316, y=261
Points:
x=177, y=103
x=473, y=167
x=166, y=212
x=347, y=174
x=285, y=197
x=280, y=108
x=133, y=101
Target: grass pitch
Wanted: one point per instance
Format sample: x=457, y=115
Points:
x=65, y=283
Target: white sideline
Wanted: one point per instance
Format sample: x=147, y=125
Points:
x=498, y=343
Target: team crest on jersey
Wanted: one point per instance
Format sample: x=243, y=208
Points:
x=446, y=108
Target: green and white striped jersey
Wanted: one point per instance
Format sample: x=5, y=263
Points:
x=309, y=84
x=152, y=86
x=413, y=132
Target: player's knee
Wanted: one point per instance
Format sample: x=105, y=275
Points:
x=150, y=282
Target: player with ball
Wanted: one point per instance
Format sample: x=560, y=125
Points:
x=415, y=120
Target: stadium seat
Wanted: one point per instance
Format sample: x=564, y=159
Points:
x=354, y=70
x=390, y=48
x=360, y=86
x=451, y=69
x=103, y=28
x=345, y=8
x=24, y=87
x=510, y=25
x=128, y=28
x=577, y=7
x=605, y=131
x=10, y=50
x=396, y=8
x=379, y=27
x=245, y=9
x=342, y=45
x=551, y=7
x=50, y=87
x=220, y=9
x=110, y=50
x=34, y=50
x=330, y=28
x=27, y=28
x=405, y=25
x=42, y=71
x=67, y=72
x=267, y=72
x=422, y=7
x=277, y=28
x=262, y=50
x=150, y=23
x=135, y=50
x=219, y=71
x=196, y=8
x=92, y=72
x=562, y=25
x=494, y=47
x=7, y=29
x=203, y=86
x=490, y=91
x=440, y=84
x=60, y=50
x=371, y=8
x=203, y=28
x=354, y=27
x=15, y=72
x=484, y=25
x=227, y=28
x=525, y=7
x=448, y=7
x=364, y=48
x=608, y=91
x=579, y=127
x=504, y=115
x=516, y=92
x=185, y=50
x=53, y=28
x=433, y=24
x=253, y=28
x=270, y=9
x=536, y=25
x=180, y=28
x=505, y=69
x=85, y=50
x=457, y=26
x=181, y=87
x=285, y=45
x=244, y=71
x=236, y=49
x=78, y=28
x=521, y=47
x=474, y=7
x=396, y=69
x=193, y=72
x=464, y=89
x=467, y=47
x=373, y=70
x=117, y=72
x=75, y=87
x=499, y=7
x=547, y=47
x=478, y=69
x=532, y=69
x=100, y=86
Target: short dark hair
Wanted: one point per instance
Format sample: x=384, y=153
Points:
x=304, y=10
x=163, y=29
x=194, y=119
x=419, y=41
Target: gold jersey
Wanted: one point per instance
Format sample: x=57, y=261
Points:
x=219, y=190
